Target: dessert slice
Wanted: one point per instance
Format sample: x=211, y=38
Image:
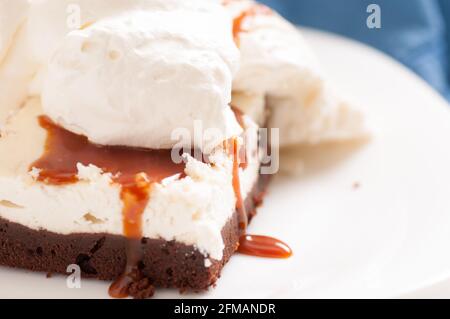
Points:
x=110, y=170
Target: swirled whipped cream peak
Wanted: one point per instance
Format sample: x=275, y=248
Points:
x=136, y=77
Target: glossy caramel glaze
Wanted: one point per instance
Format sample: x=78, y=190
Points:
x=263, y=246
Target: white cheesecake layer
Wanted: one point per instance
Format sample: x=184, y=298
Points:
x=192, y=210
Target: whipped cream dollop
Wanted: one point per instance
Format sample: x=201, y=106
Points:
x=279, y=70
x=138, y=77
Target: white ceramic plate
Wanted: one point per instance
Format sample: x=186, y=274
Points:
x=388, y=238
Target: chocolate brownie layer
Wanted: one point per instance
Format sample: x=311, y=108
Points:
x=102, y=256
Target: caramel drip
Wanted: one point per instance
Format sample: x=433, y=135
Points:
x=132, y=274
x=243, y=158
x=254, y=245
x=263, y=246
x=240, y=205
x=134, y=169
x=135, y=198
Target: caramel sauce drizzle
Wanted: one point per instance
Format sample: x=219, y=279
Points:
x=132, y=274
x=240, y=205
x=254, y=245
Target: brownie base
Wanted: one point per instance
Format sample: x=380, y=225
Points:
x=166, y=264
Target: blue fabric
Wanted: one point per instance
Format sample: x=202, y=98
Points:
x=416, y=32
